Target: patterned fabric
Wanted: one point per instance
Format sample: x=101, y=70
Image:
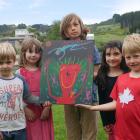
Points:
x=96, y=61
x=96, y=56
x=11, y=105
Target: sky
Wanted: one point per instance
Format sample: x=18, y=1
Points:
x=32, y=12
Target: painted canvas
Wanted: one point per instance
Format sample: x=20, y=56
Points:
x=67, y=72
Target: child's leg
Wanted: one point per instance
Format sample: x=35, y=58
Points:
x=72, y=120
x=88, y=124
x=7, y=136
x=20, y=135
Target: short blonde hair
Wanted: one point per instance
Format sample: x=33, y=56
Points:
x=66, y=22
x=7, y=51
x=131, y=44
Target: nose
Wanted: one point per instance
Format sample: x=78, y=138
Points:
x=73, y=27
x=33, y=54
x=131, y=60
x=111, y=57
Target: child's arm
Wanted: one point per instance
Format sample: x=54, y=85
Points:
x=1, y=136
x=104, y=107
x=28, y=97
x=95, y=70
x=45, y=113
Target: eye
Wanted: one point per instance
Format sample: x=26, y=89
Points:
x=116, y=53
x=75, y=24
x=8, y=62
x=38, y=50
x=1, y=62
x=127, y=57
x=136, y=56
x=30, y=51
x=107, y=54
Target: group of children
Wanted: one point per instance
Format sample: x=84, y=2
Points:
x=121, y=94
x=29, y=120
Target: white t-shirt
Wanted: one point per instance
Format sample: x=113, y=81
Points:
x=12, y=93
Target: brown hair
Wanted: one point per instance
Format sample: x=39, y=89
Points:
x=29, y=43
x=65, y=23
x=131, y=44
x=7, y=52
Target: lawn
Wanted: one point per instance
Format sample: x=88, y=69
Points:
x=59, y=125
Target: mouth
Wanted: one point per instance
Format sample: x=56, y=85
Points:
x=112, y=62
x=33, y=59
x=5, y=70
x=74, y=33
x=133, y=65
x=5, y=73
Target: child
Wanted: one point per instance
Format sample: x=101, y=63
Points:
x=39, y=119
x=13, y=89
x=112, y=65
x=126, y=94
x=80, y=123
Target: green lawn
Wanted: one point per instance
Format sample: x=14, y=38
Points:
x=59, y=125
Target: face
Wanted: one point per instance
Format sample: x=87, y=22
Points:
x=6, y=67
x=133, y=61
x=113, y=57
x=73, y=30
x=32, y=56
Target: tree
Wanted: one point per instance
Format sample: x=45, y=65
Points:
x=54, y=32
x=116, y=18
x=21, y=26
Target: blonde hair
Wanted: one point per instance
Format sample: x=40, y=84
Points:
x=131, y=44
x=29, y=43
x=65, y=24
x=7, y=52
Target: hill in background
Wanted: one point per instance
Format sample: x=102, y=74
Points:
x=112, y=29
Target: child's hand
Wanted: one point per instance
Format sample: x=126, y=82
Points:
x=45, y=113
x=47, y=104
x=30, y=115
x=109, y=129
x=1, y=136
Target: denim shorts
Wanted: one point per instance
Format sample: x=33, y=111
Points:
x=15, y=135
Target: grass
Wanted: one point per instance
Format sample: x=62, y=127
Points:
x=59, y=125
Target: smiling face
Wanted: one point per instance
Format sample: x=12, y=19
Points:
x=6, y=67
x=113, y=57
x=32, y=56
x=133, y=61
x=73, y=30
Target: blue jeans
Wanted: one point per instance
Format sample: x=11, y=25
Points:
x=15, y=135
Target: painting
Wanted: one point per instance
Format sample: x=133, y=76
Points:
x=67, y=72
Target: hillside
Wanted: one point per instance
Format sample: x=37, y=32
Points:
x=105, y=33
x=112, y=29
